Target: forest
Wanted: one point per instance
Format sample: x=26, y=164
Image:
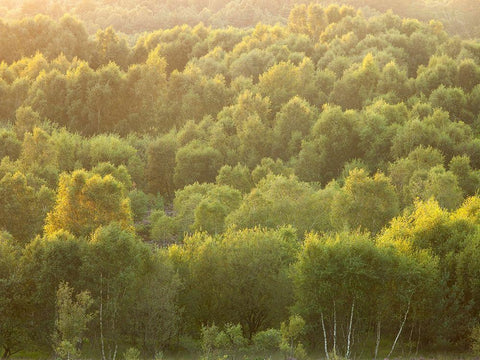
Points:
x=301, y=183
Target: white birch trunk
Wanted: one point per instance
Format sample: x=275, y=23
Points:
x=400, y=330
x=349, y=335
x=324, y=337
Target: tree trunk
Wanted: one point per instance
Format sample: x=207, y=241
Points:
x=6, y=353
x=349, y=335
x=400, y=330
x=377, y=343
x=418, y=340
x=324, y=337
x=334, y=329
x=101, y=318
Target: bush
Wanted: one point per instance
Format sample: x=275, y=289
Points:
x=132, y=354
x=475, y=337
x=268, y=340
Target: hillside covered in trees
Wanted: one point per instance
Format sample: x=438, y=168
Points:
x=133, y=16
x=307, y=187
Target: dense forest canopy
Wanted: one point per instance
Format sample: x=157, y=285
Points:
x=306, y=184
x=133, y=16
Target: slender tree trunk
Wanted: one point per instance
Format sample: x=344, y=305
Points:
x=114, y=329
x=6, y=353
x=418, y=340
x=98, y=120
x=324, y=337
x=101, y=318
x=377, y=343
x=349, y=335
x=400, y=330
x=334, y=329
x=410, y=344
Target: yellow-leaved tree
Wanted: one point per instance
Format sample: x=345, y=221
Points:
x=86, y=201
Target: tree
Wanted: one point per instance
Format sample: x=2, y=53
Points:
x=211, y=212
x=155, y=319
x=14, y=302
x=196, y=162
x=47, y=262
x=160, y=165
x=443, y=186
x=72, y=321
x=468, y=179
x=279, y=201
x=248, y=270
x=203, y=207
x=364, y=202
x=21, y=204
x=9, y=145
x=110, y=48
x=336, y=278
x=291, y=333
x=452, y=100
x=86, y=201
x=420, y=160
x=237, y=177
x=357, y=86
x=334, y=140
x=109, y=148
x=292, y=123
x=114, y=261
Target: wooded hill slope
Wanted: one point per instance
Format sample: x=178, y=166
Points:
x=205, y=185
x=132, y=17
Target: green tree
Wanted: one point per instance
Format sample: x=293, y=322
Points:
x=292, y=123
x=279, y=201
x=113, y=263
x=155, y=315
x=364, y=202
x=9, y=145
x=251, y=264
x=46, y=262
x=196, y=162
x=334, y=140
x=160, y=165
x=211, y=211
x=237, y=177
x=14, y=302
x=468, y=178
x=21, y=204
x=72, y=320
x=291, y=333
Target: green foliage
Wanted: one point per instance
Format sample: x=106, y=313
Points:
x=291, y=333
x=72, y=320
x=160, y=165
x=268, y=340
x=14, y=301
x=278, y=201
x=331, y=121
x=335, y=140
x=237, y=177
x=227, y=341
x=21, y=204
x=252, y=259
x=196, y=162
x=364, y=203
x=132, y=354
